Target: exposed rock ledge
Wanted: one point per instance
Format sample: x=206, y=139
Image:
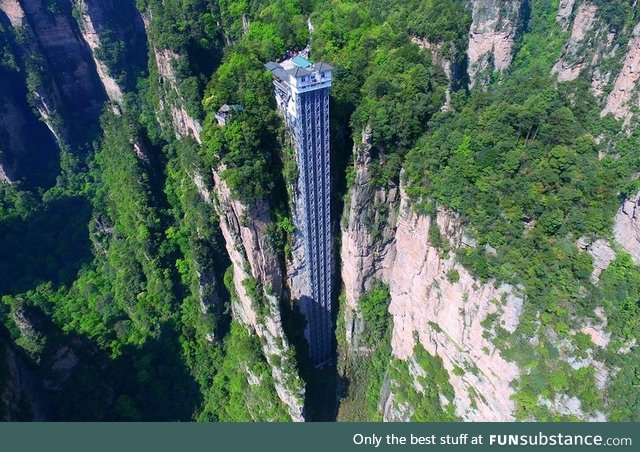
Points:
x=491, y=37
x=365, y=258
x=91, y=36
x=572, y=62
x=601, y=253
x=184, y=125
x=247, y=242
x=627, y=227
x=565, y=9
x=621, y=99
x=14, y=12
x=445, y=315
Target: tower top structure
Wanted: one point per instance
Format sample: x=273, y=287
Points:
x=300, y=74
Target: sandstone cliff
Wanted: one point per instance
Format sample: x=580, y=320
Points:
x=623, y=98
x=383, y=239
x=368, y=230
x=584, y=34
x=446, y=315
x=565, y=9
x=258, y=284
x=491, y=37
x=627, y=227
x=70, y=62
x=254, y=260
x=91, y=22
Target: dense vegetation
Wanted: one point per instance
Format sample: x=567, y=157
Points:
x=114, y=279
x=521, y=164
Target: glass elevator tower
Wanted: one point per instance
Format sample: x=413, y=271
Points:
x=302, y=95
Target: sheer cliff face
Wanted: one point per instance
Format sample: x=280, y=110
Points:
x=623, y=98
x=368, y=230
x=384, y=239
x=182, y=123
x=627, y=227
x=255, y=264
x=70, y=61
x=594, y=51
x=254, y=260
x=94, y=16
x=67, y=83
x=585, y=32
x=446, y=316
x=426, y=307
x=491, y=38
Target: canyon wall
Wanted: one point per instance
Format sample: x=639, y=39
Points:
x=623, y=98
x=258, y=283
x=384, y=239
x=627, y=227
x=491, y=37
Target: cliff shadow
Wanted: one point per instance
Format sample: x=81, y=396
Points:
x=321, y=401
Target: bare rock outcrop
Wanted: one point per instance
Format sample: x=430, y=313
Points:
x=13, y=11
x=257, y=276
x=623, y=98
x=627, y=227
x=491, y=37
x=368, y=231
x=257, y=281
x=590, y=44
x=565, y=10
x=445, y=314
x=184, y=125
x=70, y=62
x=434, y=300
x=574, y=58
x=25, y=141
x=4, y=178
x=601, y=253
x=92, y=20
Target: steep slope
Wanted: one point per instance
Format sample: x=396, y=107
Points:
x=492, y=35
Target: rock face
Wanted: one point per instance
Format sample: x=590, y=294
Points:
x=573, y=57
x=601, y=253
x=429, y=305
x=91, y=24
x=255, y=262
x=184, y=125
x=565, y=9
x=28, y=151
x=368, y=231
x=445, y=314
x=590, y=44
x=493, y=31
x=627, y=227
x=13, y=11
x=624, y=96
x=70, y=62
x=247, y=241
